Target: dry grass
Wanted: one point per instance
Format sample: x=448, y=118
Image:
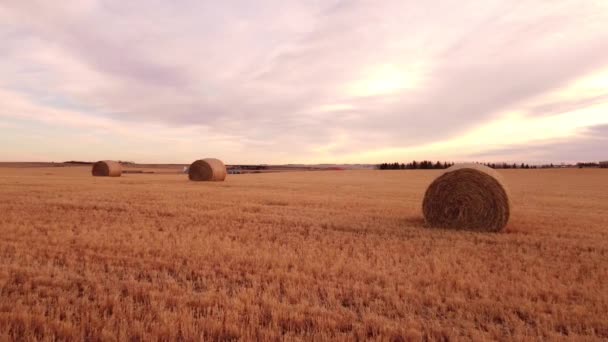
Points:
x=313, y=256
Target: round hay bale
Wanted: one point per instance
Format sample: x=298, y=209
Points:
x=208, y=169
x=107, y=168
x=467, y=196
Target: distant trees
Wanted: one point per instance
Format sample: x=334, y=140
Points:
x=429, y=165
x=509, y=166
x=77, y=162
x=250, y=167
x=415, y=165
x=582, y=165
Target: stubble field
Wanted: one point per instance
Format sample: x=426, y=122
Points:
x=295, y=256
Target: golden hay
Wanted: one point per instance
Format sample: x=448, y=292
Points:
x=107, y=168
x=208, y=169
x=467, y=196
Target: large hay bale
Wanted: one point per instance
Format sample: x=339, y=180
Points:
x=208, y=169
x=107, y=168
x=467, y=196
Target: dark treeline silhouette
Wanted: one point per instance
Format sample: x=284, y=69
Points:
x=429, y=165
x=582, y=165
x=249, y=167
x=415, y=165
x=514, y=166
x=77, y=162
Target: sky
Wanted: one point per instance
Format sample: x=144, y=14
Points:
x=317, y=81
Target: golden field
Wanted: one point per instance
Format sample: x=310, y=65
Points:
x=296, y=256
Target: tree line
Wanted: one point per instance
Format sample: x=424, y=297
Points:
x=602, y=165
x=429, y=165
x=415, y=165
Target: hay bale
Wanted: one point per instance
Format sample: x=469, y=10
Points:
x=467, y=196
x=107, y=168
x=208, y=169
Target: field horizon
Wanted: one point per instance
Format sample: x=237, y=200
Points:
x=340, y=255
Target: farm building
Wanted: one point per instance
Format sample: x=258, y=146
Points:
x=604, y=164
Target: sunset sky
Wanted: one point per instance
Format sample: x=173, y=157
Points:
x=316, y=81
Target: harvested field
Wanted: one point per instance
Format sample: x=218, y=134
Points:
x=301, y=255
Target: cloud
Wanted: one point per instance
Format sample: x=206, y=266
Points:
x=287, y=79
x=559, y=107
x=583, y=148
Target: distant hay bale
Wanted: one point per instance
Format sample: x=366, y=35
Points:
x=208, y=169
x=107, y=168
x=467, y=196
